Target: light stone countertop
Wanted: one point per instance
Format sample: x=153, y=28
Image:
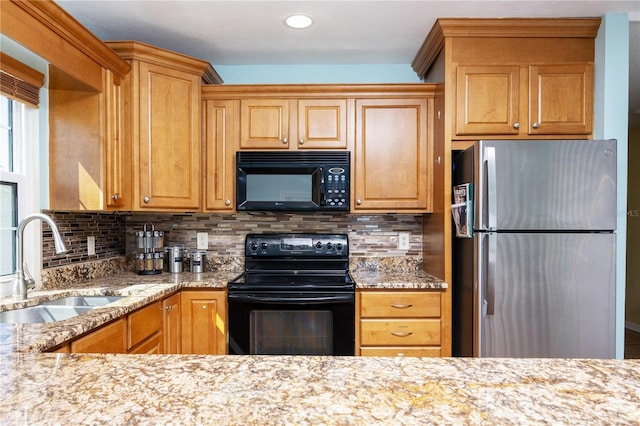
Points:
x=141, y=290
x=88, y=389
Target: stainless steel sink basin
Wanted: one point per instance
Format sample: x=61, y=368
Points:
x=91, y=301
x=42, y=313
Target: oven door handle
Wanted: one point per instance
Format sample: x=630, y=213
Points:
x=297, y=299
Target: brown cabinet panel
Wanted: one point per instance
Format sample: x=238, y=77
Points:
x=400, y=305
x=221, y=139
x=172, y=325
x=111, y=338
x=169, y=144
x=204, y=322
x=561, y=99
x=143, y=323
x=392, y=156
x=487, y=101
x=322, y=124
x=264, y=124
x=150, y=346
x=399, y=332
x=402, y=351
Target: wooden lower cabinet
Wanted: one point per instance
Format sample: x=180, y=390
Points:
x=144, y=329
x=398, y=323
x=111, y=338
x=172, y=324
x=204, y=317
x=150, y=346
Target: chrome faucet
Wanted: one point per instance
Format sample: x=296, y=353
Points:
x=19, y=282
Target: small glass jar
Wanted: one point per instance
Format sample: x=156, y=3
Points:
x=148, y=262
x=140, y=262
x=158, y=261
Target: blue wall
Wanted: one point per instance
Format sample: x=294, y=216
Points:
x=611, y=122
x=309, y=74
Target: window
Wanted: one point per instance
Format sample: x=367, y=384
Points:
x=18, y=183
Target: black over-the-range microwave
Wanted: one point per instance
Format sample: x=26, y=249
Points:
x=296, y=181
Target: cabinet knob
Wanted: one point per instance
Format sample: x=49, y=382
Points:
x=301, y=141
x=204, y=306
x=358, y=201
x=536, y=125
x=516, y=125
x=169, y=308
x=285, y=140
x=227, y=202
x=115, y=196
x=146, y=200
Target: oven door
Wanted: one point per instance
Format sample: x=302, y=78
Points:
x=300, y=323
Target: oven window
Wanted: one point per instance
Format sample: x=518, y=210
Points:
x=263, y=187
x=291, y=332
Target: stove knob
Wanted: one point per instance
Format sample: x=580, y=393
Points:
x=264, y=246
x=318, y=245
x=329, y=245
x=253, y=246
x=339, y=246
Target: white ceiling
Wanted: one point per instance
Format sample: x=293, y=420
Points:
x=344, y=32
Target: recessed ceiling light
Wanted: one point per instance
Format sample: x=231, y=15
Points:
x=298, y=21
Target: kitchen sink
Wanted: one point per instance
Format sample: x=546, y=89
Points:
x=57, y=309
x=42, y=313
x=90, y=301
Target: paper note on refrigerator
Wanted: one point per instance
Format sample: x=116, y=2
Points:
x=462, y=209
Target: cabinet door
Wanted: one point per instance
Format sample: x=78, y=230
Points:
x=151, y=346
x=322, y=123
x=264, y=124
x=561, y=99
x=487, y=100
x=221, y=142
x=171, y=325
x=111, y=338
x=143, y=323
x=392, y=154
x=203, y=322
x=117, y=157
x=169, y=142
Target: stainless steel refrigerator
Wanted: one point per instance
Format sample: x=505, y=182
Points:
x=534, y=249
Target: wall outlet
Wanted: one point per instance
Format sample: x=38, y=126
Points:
x=403, y=240
x=202, y=241
x=91, y=246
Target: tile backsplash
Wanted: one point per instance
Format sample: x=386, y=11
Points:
x=373, y=239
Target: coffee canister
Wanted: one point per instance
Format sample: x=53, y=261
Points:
x=198, y=260
x=174, y=259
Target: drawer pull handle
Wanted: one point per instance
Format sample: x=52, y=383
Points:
x=401, y=306
x=400, y=334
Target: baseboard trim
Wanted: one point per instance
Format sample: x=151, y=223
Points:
x=632, y=326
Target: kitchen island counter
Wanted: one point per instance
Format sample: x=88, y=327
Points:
x=268, y=390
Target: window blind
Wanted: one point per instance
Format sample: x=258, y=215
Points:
x=19, y=81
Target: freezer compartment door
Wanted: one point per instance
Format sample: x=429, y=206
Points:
x=545, y=185
x=546, y=295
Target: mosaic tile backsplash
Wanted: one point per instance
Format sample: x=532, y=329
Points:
x=373, y=238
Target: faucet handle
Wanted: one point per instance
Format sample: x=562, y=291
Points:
x=31, y=283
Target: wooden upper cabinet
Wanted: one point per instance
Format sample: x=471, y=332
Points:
x=393, y=152
x=168, y=160
x=561, y=99
x=117, y=159
x=322, y=124
x=161, y=98
x=487, y=100
x=221, y=136
x=293, y=123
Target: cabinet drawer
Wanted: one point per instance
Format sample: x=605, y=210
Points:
x=400, y=305
x=401, y=351
x=152, y=345
x=107, y=339
x=143, y=323
x=399, y=332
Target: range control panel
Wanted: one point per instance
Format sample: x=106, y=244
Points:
x=298, y=245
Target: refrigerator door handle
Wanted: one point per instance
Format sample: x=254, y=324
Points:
x=492, y=204
x=490, y=296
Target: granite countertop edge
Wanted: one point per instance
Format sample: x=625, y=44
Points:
x=140, y=290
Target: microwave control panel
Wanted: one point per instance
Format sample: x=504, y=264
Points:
x=337, y=187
